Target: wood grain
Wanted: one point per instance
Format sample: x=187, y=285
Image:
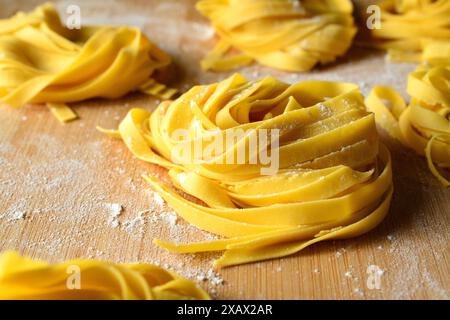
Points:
x=62, y=177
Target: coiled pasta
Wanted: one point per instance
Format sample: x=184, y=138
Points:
x=41, y=61
x=291, y=35
x=333, y=177
x=424, y=124
x=24, y=278
x=408, y=27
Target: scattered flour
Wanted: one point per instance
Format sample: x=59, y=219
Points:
x=158, y=200
x=340, y=252
x=17, y=215
x=115, y=211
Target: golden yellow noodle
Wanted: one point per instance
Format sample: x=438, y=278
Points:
x=24, y=278
x=291, y=35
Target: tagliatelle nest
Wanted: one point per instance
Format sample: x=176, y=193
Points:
x=24, y=278
x=407, y=27
x=424, y=124
x=291, y=35
x=333, y=177
x=41, y=61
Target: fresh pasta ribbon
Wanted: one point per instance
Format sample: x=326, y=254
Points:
x=41, y=61
x=424, y=124
x=159, y=90
x=24, y=278
x=291, y=35
x=410, y=28
x=333, y=177
x=62, y=112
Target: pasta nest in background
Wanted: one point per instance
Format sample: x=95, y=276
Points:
x=424, y=124
x=283, y=34
x=24, y=278
x=409, y=26
x=42, y=61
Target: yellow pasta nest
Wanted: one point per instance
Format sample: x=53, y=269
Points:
x=42, y=61
x=291, y=35
x=409, y=26
x=423, y=125
x=332, y=177
x=23, y=278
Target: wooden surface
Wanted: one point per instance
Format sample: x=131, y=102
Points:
x=57, y=183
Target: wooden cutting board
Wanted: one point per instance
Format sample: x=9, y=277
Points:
x=59, y=184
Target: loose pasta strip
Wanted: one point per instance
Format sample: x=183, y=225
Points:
x=24, y=278
x=62, y=112
x=44, y=62
x=283, y=34
x=333, y=179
